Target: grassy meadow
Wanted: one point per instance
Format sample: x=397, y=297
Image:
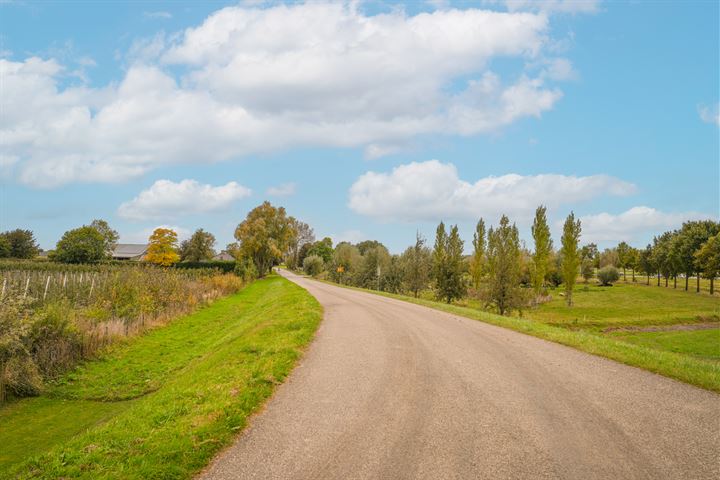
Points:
x=160, y=405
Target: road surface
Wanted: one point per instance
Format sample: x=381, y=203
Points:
x=391, y=390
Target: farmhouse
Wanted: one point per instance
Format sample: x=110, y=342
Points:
x=224, y=256
x=129, y=251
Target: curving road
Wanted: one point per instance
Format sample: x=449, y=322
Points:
x=391, y=390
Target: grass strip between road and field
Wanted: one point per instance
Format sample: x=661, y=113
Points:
x=191, y=387
x=695, y=371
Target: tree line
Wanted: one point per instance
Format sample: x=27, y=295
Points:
x=500, y=271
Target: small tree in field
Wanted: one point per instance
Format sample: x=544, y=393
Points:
x=624, y=257
x=543, y=249
x=163, y=247
x=570, y=255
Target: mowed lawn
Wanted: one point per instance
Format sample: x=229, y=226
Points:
x=161, y=405
x=625, y=304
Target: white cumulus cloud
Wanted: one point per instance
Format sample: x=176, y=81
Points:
x=167, y=199
x=637, y=223
x=251, y=80
x=433, y=190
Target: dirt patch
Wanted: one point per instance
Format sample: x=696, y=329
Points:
x=665, y=328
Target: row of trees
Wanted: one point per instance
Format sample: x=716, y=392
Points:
x=501, y=272
x=690, y=251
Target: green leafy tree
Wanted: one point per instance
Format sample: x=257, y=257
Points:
x=608, y=257
x=590, y=251
x=503, y=260
x=646, y=262
x=200, y=247
x=570, y=255
x=692, y=236
x=5, y=247
x=22, y=243
x=478, y=258
x=587, y=269
x=323, y=249
x=313, y=265
x=454, y=285
x=392, y=278
x=81, y=245
x=375, y=262
x=623, y=255
x=264, y=236
x=346, y=263
x=367, y=245
x=543, y=249
x=304, y=234
x=417, y=261
x=448, y=264
x=439, y=257
x=162, y=248
x=707, y=259
x=109, y=235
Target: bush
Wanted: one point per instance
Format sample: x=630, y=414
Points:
x=225, y=266
x=608, y=275
x=245, y=269
x=313, y=265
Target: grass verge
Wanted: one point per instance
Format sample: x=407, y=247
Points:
x=194, y=384
x=700, y=372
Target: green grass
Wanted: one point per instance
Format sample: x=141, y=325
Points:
x=32, y=426
x=702, y=372
x=698, y=343
x=598, y=307
x=194, y=384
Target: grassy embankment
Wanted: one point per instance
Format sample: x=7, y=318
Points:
x=602, y=320
x=162, y=404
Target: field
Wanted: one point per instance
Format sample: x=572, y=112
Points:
x=610, y=321
x=53, y=316
x=162, y=404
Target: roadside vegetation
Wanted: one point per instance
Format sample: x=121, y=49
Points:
x=633, y=305
x=52, y=318
x=162, y=404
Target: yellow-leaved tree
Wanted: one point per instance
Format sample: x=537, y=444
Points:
x=163, y=247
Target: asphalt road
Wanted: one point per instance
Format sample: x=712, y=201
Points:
x=391, y=390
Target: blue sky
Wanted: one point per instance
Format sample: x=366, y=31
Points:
x=366, y=120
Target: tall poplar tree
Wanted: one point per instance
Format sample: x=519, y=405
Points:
x=570, y=255
x=503, y=261
x=439, y=255
x=543, y=248
x=417, y=262
x=478, y=258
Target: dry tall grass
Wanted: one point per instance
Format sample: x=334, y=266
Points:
x=53, y=317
